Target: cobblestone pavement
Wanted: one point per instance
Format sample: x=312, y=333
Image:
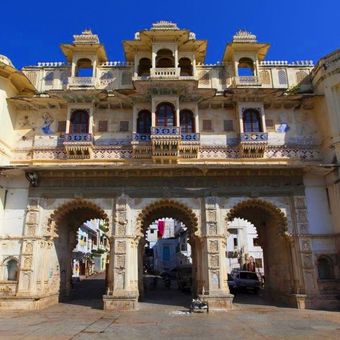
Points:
x=83, y=319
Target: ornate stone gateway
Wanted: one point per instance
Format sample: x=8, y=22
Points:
x=205, y=201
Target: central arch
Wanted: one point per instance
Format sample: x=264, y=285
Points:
x=178, y=211
x=272, y=226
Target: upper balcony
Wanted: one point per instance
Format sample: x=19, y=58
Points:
x=81, y=82
x=165, y=73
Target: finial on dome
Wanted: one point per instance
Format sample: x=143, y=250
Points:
x=86, y=37
x=244, y=36
x=164, y=25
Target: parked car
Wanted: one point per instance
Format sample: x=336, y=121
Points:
x=231, y=284
x=245, y=280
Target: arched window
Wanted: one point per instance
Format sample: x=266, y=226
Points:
x=245, y=67
x=187, y=121
x=12, y=270
x=185, y=66
x=144, y=67
x=144, y=122
x=79, y=122
x=251, y=121
x=84, y=68
x=165, y=59
x=325, y=268
x=165, y=115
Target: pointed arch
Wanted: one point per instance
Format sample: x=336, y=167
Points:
x=167, y=208
x=88, y=210
x=240, y=210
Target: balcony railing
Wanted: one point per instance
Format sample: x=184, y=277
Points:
x=163, y=131
x=246, y=81
x=248, y=137
x=81, y=81
x=190, y=137
x=78, y=138
x=165, y=72
x=141, y=137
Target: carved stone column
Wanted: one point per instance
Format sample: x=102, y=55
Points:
x=302, y=254
x=122, y=292
x=214, y=272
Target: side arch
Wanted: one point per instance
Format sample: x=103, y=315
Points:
x=245, y=209
x=82, y=209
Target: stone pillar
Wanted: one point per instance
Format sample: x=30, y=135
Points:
x=307, y=285
x=178, y=122
x=214, y=268
x=122, y=292
x=153, y=113
x=197, y=121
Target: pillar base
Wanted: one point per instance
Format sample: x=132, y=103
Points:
x=218, y=301
x=28, y=303
x=125, y=301
x=298, y=300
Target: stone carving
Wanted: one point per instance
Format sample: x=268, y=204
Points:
x=306, y=246
x=214, y=261
x=121, y=230
x=213, y=246
x=302, y=216
x=27, y=263
x=32, y=217
x=29, y=248
x=211, y=215
x=215, y=280
x=303, y=228
x=300, y=202
x=212, y=229
x=30, y=230
x=307, y=261
x=120, y=280
x=120, y=261
x=120, y=247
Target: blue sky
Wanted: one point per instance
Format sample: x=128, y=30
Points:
x=32, y=31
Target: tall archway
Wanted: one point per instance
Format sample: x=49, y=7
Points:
x=180, y=212
x=63, y=224
x=271, y=225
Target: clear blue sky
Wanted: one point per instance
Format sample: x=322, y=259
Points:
x=31, y=31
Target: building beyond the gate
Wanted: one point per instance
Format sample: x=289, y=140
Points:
x=162, y=134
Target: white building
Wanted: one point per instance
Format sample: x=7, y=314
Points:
x=242, y=244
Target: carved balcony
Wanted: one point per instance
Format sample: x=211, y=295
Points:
x=78, y=145
x=165, y=73
x=81, y=82
x=189, y=145
x=253, y=144
x=141, y=146
x=165, y=144
x=246, y=81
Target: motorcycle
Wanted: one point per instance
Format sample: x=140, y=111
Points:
x=199, y=306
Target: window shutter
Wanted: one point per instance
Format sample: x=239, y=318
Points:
x=207, y=126
x=124, y=126
x=61, y=126
x=102, y=126
x=228, y=125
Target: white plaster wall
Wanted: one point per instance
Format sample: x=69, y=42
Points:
x=7, y=116
x=317, y=205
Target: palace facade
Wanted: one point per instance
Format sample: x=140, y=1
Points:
x=163, y=134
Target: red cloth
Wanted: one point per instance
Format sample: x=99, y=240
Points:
x=161, y=227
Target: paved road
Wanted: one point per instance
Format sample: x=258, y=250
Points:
x=82, y=319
